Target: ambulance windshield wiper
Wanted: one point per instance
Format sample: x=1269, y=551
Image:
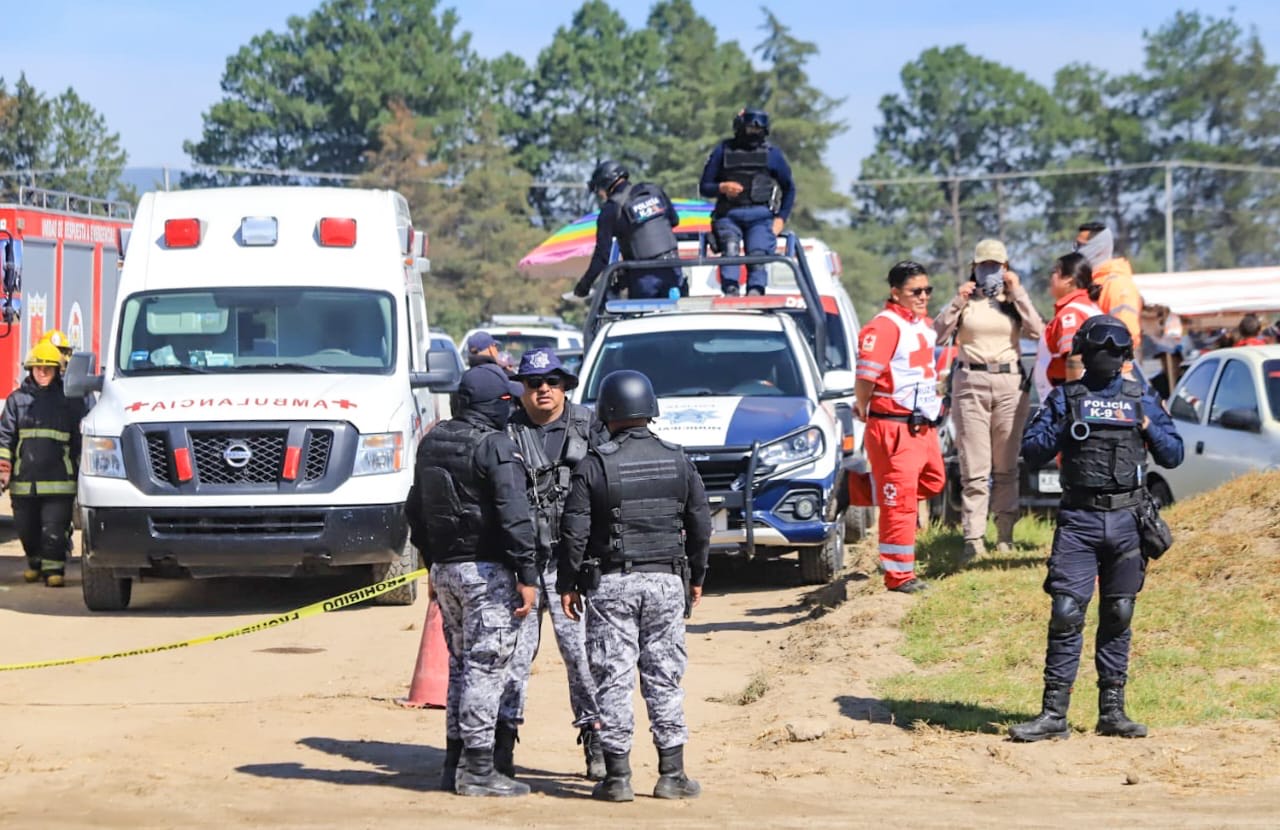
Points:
x=281, y=367
x=177, y=369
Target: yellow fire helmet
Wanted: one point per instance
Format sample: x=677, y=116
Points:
x=43, y=354
x=57, y=338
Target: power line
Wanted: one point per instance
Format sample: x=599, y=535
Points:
x=1050, y=172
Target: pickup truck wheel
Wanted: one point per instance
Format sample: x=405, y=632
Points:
x=406, y=562
x=819, y=565
x=857, y=521
x=102, y=589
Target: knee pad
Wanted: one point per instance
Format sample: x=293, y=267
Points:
x=1066, y=615
x=1114, y=615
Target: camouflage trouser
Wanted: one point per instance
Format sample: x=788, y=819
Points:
x=476, y=600
x=569, y=637
x=638, y=620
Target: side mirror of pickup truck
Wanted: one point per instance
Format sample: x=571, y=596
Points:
x=442, y=373
x=80, y=380
x=838, y=383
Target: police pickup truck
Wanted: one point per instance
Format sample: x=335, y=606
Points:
x=740, y=389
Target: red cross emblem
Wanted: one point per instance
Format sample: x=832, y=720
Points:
x=922, y=358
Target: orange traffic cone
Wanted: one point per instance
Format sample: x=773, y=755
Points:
x=430, y=685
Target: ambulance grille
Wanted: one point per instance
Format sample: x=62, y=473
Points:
x=265, y=457
x=158, y=456
x=319, y=443
x=231, y=524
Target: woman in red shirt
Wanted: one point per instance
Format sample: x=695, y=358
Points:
x=1075, y=298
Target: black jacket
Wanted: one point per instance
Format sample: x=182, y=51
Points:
x=40, y=435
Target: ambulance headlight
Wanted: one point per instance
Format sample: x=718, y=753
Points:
x=379, y=453
x=796, y=448
x=101, y=456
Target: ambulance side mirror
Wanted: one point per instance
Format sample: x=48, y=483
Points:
x=442, y=373
x=80, y=380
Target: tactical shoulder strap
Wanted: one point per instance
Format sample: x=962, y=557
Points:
x=608, y=453
x=577, y=439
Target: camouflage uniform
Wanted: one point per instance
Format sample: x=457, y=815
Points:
x=569, y=637
x=638, y=619
x=476, y=603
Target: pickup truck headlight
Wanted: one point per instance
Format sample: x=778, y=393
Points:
x=101, y=456
x=793, y=449
x=379, y=453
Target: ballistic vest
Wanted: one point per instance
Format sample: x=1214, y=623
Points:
x=647, y=494
x=1111, y=459
x=451, y=489
x=548, y=479
x=647, y=232
x=750, y=168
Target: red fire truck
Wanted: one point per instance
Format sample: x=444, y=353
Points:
x=65, y=248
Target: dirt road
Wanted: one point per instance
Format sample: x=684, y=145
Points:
x=294, y=727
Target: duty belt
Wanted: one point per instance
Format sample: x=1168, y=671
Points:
x=1101, y=501
x=994, y=368
x=669, y=566
x=903, y=419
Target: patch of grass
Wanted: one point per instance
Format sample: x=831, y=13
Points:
x=753, y=691
x=1206, y=627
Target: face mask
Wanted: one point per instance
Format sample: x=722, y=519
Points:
x=497, y=412
x=990, y=278
x=1103, y=363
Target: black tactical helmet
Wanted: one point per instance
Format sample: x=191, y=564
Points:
x=606, y=173
x=624, y=395
x=750, y=118
x=1102, y=331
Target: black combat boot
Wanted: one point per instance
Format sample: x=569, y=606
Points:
x=1052, y=720
x=477, y=777
x=452, y=755
x=505, y=738
x=1112, y=720
x=672, y=782
x=589, y=737
x=616, y=785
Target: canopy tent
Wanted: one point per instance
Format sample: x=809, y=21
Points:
x=1233, y=291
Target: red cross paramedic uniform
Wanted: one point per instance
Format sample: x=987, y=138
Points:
x=895, y=352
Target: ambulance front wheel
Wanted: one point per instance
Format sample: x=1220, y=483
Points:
x=102, y=589
x=406, y=562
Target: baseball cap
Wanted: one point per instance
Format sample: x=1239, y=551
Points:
x=990, y=250
x=480, y=341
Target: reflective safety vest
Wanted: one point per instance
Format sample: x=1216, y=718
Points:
x=40, y=437
x=647, y=495
x=750, y=168
x=911, y=370
x=1112, y=458
x=646, y=232
x=1046, y=374
x=549, y=480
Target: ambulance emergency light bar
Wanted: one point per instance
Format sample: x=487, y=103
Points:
x=691, y=304
x=259, y=231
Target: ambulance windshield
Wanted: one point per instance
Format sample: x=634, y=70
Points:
x=258, y=329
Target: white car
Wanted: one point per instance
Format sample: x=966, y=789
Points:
x=741, y=392
x=1227, y=410
x=518, y=333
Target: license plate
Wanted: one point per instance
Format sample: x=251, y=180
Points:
x=720, y=520
x=1049, y=482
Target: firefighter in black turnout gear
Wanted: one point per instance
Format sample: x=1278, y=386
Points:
x=633, y=553
x=1103, y=425
x=751, y=182
x=643, y=220
x=553, y=435
x=469, y=516
x=39, y=457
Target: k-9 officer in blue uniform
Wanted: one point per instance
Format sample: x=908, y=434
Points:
x=1103, y=425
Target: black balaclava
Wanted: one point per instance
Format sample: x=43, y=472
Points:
x=485, y=394
x=1101, y=365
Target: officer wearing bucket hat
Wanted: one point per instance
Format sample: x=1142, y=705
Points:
x=1103, y=425
x=633, y=555
x=553, y=436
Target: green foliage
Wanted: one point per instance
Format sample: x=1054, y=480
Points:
x=64, y=134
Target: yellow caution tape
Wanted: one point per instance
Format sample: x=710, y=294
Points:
x=322, y=607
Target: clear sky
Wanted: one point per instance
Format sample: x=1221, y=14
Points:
x=153, y=67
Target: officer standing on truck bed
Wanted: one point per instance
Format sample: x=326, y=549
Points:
x=469, y=516
x=1103, y=425
x=553, y=435
x=633, y=549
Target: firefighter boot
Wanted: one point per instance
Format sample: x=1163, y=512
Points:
x=54, y=580
x=1052, y=720
x=31, y=574
x=589, y=737
x=477, y=777
x=1112, y=720
x=616, y=785
x=452, y=755
x=505, y=739
x=672, y=782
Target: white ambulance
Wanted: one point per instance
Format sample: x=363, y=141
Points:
x=261, y=400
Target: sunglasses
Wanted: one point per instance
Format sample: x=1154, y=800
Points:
x=554, y=381
x=927, y=291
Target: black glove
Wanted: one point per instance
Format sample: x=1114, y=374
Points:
x=582, y=289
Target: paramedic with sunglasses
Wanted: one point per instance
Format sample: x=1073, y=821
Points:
x=897, y=396
x=553, y=436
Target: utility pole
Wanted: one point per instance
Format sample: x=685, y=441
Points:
x=955, y=229
x=1168, y=217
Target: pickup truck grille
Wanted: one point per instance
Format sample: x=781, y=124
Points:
x=722, y=474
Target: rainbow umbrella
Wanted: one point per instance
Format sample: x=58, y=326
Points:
x=567, y=251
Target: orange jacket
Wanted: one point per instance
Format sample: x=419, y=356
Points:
x=1120, y=297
